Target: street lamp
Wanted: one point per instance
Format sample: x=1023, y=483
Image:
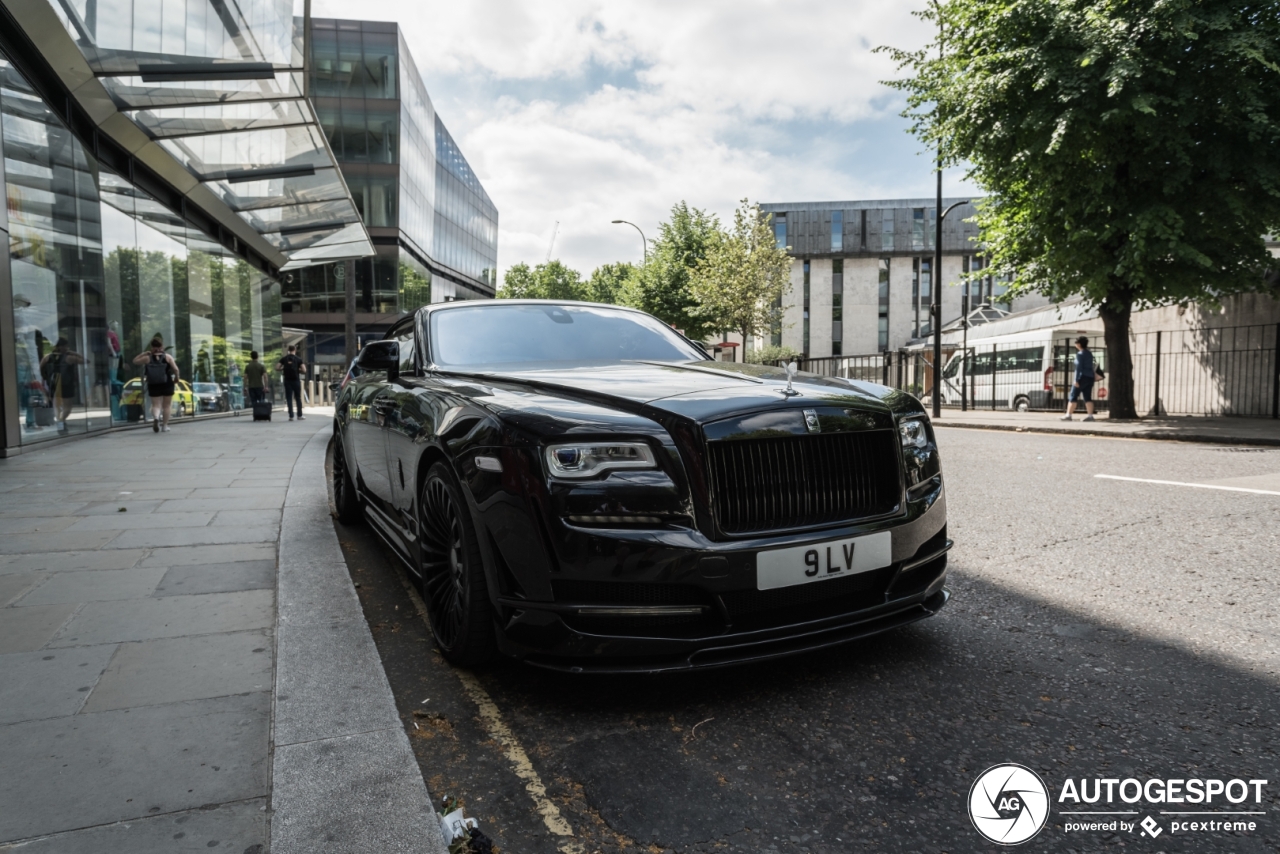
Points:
x=644, y=244
x=936, y=308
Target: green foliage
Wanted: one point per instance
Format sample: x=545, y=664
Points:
x=663, y=287
x=1131, y=147
x=771, y=355
x=415, y=287
x=552, y=280
x=611, y=283
x=740, y=282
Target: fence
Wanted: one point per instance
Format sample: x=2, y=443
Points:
x=1228, y=371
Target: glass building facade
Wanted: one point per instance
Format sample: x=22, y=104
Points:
x=164, y=174
x=433, y=226
x=97, y=267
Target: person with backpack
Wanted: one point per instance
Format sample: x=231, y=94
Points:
x=160, y=373
x=1086, y=372
x=293, y=369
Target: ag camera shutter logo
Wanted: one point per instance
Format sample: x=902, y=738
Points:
x=1009, y=804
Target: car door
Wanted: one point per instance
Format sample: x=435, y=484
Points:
x=367, y=435
x=405, y=415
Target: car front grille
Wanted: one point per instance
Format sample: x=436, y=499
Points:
x=772, y=484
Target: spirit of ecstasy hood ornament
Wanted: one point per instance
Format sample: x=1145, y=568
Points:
x=791, y=370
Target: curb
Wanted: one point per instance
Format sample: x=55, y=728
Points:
x=343, y=775
x=1156, y=435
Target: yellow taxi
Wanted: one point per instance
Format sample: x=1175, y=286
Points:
x=184, y=401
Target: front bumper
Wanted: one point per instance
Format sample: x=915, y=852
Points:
x=573, y=627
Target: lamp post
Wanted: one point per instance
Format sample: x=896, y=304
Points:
x=644, y=244
x=936, y=308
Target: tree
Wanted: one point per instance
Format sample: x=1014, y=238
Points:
x=1131, y=147
x=552, y=280
x=740, y=283
x=611, y=283
x=662, y=287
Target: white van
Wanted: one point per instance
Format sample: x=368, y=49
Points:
x=1032, y=370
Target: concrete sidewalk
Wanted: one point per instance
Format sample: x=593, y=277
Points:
x=1231, y=431
x=139, y=619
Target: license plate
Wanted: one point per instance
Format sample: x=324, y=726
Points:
x=820, y=561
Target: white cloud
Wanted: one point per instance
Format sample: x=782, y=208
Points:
x=584, y=112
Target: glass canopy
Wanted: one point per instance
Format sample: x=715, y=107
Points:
x=219, y=85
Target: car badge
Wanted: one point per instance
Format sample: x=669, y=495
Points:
x=791, y=370
x=811, y=421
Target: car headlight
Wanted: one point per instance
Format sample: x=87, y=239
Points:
x=585, y=459
x=913, y=433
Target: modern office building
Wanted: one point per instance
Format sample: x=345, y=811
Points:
x=434, y=229
x=862, y=274
x=164, y=174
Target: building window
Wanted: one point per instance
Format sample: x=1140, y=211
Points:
x=883, y=343
x=917, y=228
x=862, y=236
x=805, y=344
x=921, y=290
x=886, y=230
x=837, y=231
x=780, y=230
x=837, y=305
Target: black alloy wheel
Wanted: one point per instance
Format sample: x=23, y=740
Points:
x=453, y=582
x=345, y=500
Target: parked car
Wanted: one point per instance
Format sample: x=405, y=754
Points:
x=210, y=397
x=133, y=394
x=582, y=487
x=1021, y=371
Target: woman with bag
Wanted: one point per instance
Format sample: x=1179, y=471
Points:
x=160, y=374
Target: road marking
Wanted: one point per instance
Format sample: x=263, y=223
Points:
x=491, y=717
x=1194, y=485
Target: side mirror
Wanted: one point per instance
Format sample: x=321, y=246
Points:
x=335, y=387
x=381, y=356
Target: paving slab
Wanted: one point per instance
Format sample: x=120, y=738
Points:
x=27, y=629
x=95, y=585
x=171, y=616
x=264, y=516
x=15, y=584
x=35, y=524
x=67, y=561
x=86, y=770
x=17, y=505
x=230, y=553
x=239, y=827
x=45, y=684
x=129, y=520
x=255, y=502
x=163, y=537
x=30, y=544
x=107, y=508
x=188, y=668
x=218, y=578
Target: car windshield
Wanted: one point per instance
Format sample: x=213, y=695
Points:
x=496, y=334
x=206, y=388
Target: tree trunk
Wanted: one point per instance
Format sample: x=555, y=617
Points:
x=1115, y=325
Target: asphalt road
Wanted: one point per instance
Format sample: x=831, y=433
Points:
x=1098, y=628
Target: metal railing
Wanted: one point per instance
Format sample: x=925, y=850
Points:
x=1231, y=370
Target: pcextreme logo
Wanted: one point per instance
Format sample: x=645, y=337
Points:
x=1009, y=804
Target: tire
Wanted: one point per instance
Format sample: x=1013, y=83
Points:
x=1022, y=403
x=345, y=499
x=453, y=584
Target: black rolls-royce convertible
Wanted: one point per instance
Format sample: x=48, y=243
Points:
x=583, y=488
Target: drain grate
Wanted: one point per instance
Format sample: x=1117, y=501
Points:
x=1234, y=450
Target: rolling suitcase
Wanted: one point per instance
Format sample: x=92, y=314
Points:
x=262, y=411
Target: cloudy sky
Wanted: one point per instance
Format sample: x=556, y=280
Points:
x=583, y=112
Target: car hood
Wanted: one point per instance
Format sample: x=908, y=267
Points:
x=700, y=391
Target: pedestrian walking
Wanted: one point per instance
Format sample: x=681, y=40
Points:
x=293, y=371
x=160, y=372
x=1086, y=373
x=254, y=374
